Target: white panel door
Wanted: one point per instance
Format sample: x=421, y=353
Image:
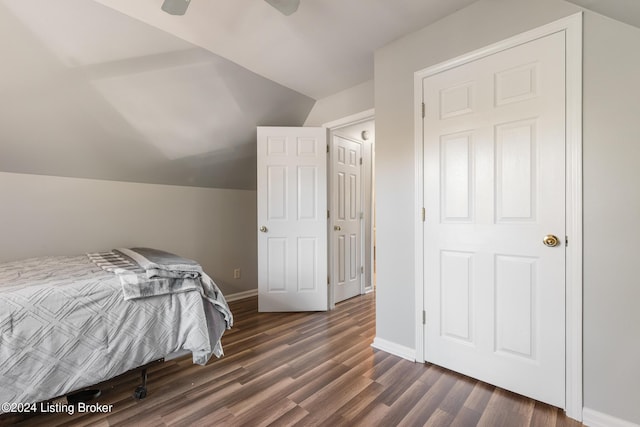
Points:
x=346, y=218
x=494, y=170
x=292, y=219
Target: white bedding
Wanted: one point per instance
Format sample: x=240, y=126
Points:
x=65, y=325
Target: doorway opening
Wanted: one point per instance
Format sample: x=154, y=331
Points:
x=351, y=257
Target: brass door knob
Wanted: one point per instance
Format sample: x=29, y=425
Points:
x=551, y=240
x=264, y=229
x=337, y=228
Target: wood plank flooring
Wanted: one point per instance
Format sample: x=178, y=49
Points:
x=305, y=369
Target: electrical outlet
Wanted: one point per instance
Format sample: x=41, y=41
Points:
x=236, y=273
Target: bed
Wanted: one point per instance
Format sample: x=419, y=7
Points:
x=69, y=322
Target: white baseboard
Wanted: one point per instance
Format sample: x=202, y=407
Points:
x=593, y=418
x=395, y=349
x=241, y=295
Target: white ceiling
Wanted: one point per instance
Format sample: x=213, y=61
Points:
x=120, y=90
x=86, y=91
x=323, y=48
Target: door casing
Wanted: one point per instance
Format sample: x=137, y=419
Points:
x=572, y=26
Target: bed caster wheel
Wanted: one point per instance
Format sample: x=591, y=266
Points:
x=140, y=392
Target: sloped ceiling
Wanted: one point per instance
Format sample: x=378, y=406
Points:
x=86, y=91
x=119, y=90
x=323, y=48
x=627, y=11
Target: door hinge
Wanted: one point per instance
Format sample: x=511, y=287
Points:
x=423, y=108
x=328, y=280
x=566, y=240
x=424, y=317
x=328, y=214
x=361, y=160
x=327, y=148
x=424, y=214
x=362, y=269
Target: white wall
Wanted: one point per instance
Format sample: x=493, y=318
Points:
x=611, y=174
x=611, y=217
x=45, y=215
x=354, y=100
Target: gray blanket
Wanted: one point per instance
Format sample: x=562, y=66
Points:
x=146, y=272
x=65, y=325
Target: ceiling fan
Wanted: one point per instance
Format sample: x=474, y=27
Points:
x=286, y=7
x=179, y=7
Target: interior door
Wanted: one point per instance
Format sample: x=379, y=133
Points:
x=292, y=219
x=494, y=170
x=346, y=218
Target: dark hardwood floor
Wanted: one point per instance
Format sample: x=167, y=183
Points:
x=306, y=369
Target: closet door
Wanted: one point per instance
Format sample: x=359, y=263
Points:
x=494, y=170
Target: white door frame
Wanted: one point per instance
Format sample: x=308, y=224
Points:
x=332, y=126
x=572, y=26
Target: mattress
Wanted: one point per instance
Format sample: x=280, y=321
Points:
x=64, y=325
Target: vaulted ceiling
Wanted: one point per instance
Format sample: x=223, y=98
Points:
x=323, y=48
x=120, y=90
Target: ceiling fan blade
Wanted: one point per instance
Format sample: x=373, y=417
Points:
x=175, y=7
x=286, y=7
